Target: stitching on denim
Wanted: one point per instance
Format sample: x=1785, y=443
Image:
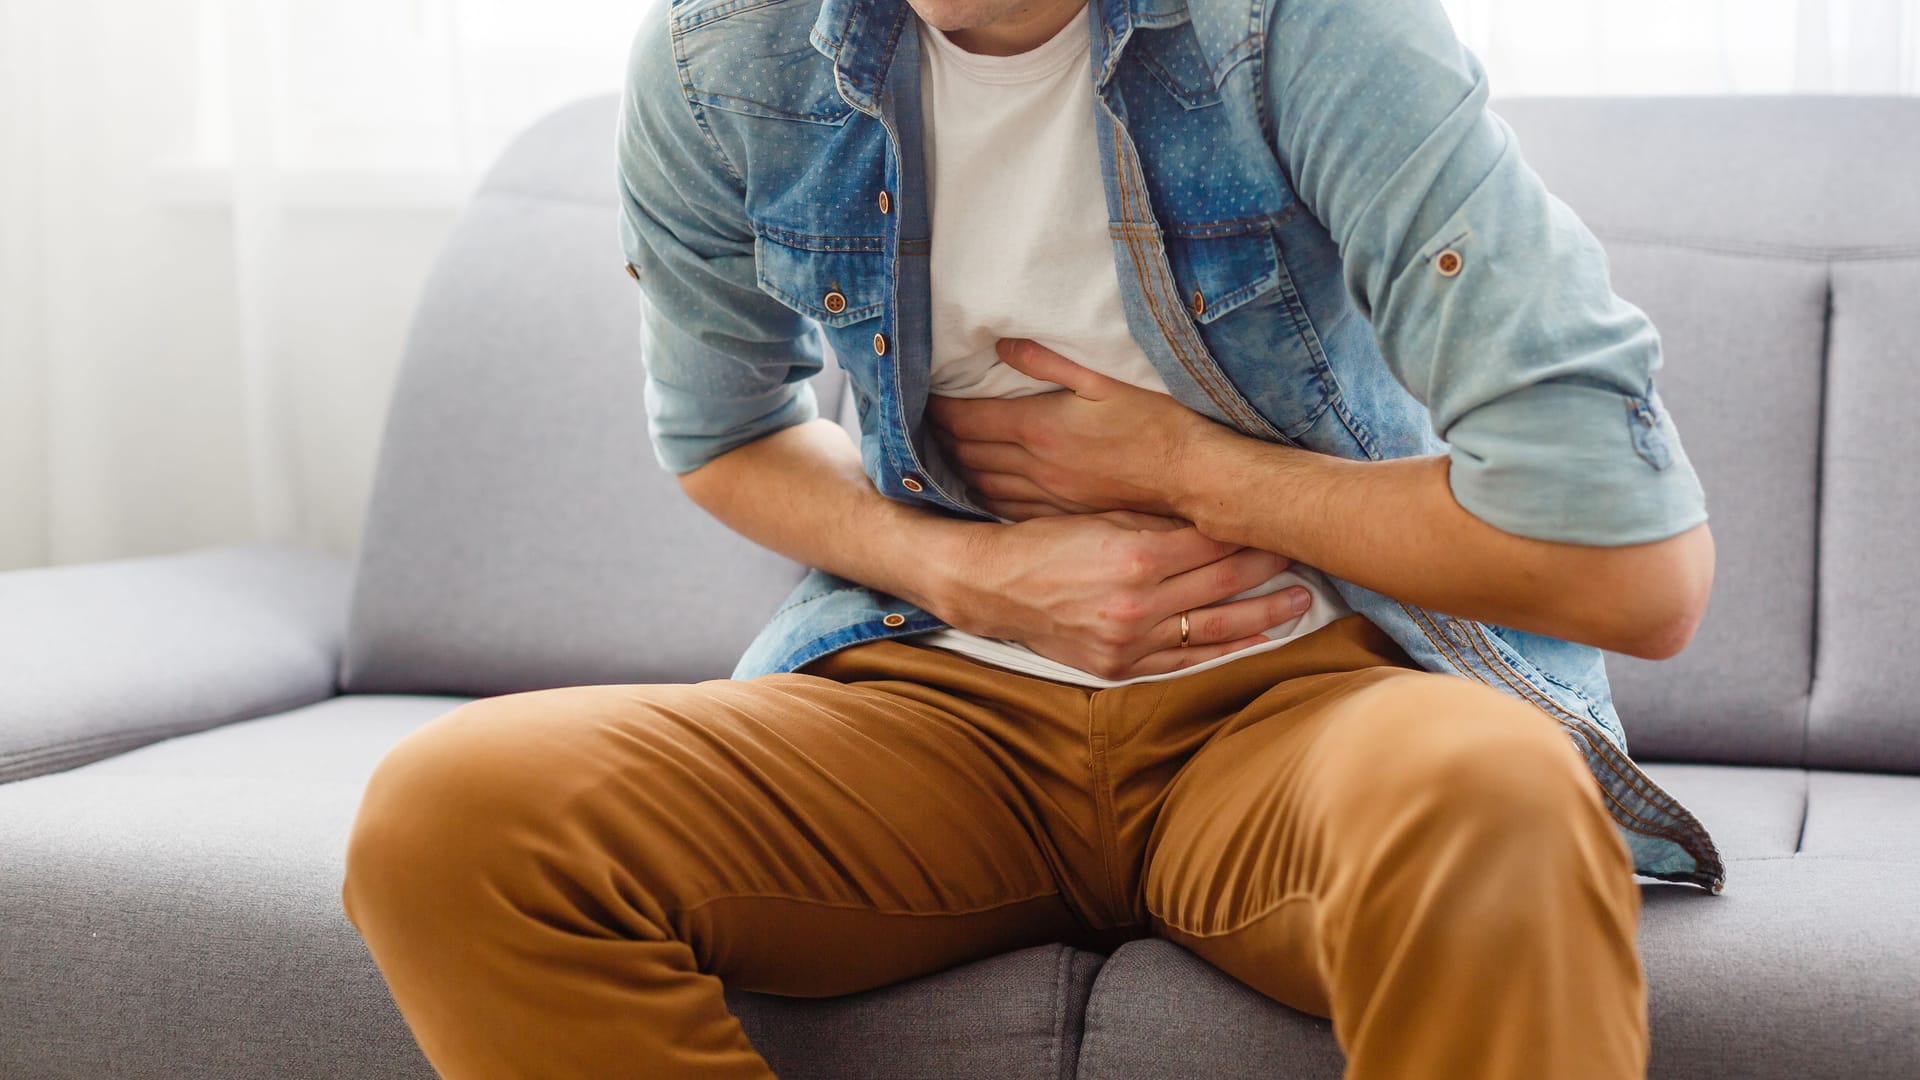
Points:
x=1458, y=660
x=1153, y=308
x=1643, y=785
x=1239, y=53
x=682, y=64
x=1202, y=370
x=718, y=12
x=762, y=108
x=1686, y=832
x=812, y=242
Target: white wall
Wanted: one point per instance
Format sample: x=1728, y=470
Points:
x=215, y=216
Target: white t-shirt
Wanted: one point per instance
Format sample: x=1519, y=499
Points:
x=1021, y=250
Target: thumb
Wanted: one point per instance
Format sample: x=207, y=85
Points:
x=1036, y=361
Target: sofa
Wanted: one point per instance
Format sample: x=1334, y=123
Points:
x=184, y=738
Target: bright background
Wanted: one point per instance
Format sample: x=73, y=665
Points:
x=215, y=216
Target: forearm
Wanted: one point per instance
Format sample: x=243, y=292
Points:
x=801, y=492
x=1394, y=527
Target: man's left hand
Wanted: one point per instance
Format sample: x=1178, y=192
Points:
x=1100, y=444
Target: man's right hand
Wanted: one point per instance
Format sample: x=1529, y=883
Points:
x=1104, y=592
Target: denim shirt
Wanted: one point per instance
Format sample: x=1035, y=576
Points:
x=1324, y=239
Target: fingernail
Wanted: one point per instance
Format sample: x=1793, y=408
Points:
x=1301, y=600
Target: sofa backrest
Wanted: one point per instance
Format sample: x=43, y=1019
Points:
x=1775, y=241
x=520, y=533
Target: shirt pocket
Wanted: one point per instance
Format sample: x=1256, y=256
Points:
x=1221, y=268
x=837, y=281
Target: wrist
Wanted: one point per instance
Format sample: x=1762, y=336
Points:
x=944, y=565
x=1195, y=478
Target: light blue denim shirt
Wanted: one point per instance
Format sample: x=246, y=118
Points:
x=1325, y=239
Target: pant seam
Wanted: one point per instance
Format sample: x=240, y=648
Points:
x=1245, y=922
x=850, y=906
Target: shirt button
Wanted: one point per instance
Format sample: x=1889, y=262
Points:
x=886, y=202
x=912, y=484
x=632, y=273
x=879, y=344
x=1199, y=303
x=895, y=620
x=1447, y=262
x=835, y=301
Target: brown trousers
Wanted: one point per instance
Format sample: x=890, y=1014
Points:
x=555, y=883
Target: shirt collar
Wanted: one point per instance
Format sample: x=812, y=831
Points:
x=860, y=36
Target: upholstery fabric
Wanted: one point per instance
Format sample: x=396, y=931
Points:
x=1803, y=970
x=1756, y=813
x=1866, y=714
x=1010, y=1017
x=520, y=534
x=99, y=659
x=175, y=912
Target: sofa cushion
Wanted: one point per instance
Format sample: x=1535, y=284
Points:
x=175, y=911
x=1805, y=967
x=1753, y=813
x=1010, y=1017
x=1865, y=714
x=520, y=533
x=100, y=658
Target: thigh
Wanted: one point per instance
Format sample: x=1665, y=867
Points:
x=1319, y=789
x=800, y=835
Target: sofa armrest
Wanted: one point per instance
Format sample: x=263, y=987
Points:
x=100, y=658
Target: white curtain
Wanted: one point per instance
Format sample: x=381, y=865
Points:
x=215, y=216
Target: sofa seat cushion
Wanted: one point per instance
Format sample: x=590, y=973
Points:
x=1808, y=965
x=175, y=911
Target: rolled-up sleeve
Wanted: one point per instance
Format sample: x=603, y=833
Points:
x=726, y=364
x=1490, y=299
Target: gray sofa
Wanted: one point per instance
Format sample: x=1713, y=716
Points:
x=183, y=739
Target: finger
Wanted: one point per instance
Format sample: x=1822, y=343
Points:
x=1179, y=550
x=1000, y=457
x=1231, y=621
x=1176, y=659
x=1218, y=580
x=1017, y=510
x=982, y=419
x=1005, y=487
x=1036, y=361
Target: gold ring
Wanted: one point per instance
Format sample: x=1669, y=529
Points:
x=1186, y=630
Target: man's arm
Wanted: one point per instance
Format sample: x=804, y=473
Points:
x=1390, y=526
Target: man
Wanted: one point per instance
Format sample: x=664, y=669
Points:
x=1151, y=601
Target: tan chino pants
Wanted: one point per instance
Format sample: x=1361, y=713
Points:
x=556, y=883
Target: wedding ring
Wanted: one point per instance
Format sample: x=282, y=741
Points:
x=1186, y=630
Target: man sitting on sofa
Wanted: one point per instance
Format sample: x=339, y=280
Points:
x=1150, y=601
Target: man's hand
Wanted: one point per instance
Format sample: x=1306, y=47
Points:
x=1100, y=444
x=1104, y=592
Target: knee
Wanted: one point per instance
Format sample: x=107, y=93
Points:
x=1487, y=769
x=453, y=800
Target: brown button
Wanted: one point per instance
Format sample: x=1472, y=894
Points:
x=886, y=203
x=912, y=484
x=1199, y=303
x=1447, y=262
x=879, y=344
x=632, y=273
x=836, y=301
x=895, y=620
